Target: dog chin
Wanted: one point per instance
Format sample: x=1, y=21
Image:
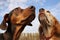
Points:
x=42, y=18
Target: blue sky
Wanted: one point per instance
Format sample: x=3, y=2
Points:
x=52, y=5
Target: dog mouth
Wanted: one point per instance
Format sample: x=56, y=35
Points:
x=44, y=19
x=42, y=16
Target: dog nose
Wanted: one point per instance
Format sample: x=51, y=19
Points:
x=32, y=7
x=42, y=9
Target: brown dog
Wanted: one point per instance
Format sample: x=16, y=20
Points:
x=50, y=27
x=17, y=19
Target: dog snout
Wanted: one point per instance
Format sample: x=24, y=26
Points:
x=42, y=9
x=32, y=8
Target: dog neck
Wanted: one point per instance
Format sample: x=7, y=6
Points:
x=18, y=31
x=13, y=31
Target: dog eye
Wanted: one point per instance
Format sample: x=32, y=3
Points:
x=48, y=11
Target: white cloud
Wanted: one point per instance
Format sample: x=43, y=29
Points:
x=17, y=3
x=21, y=1
x=3, y=4
x=8, y=5
x=42, y=2
x=14, y=5
x=3, y=7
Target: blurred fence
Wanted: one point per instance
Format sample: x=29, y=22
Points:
x=29, y=36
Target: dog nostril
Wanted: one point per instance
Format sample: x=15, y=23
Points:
x=32, y=7
x=42, y=9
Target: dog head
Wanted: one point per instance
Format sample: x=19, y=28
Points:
x=45, y=17
x=48, y=22
x=20, y=16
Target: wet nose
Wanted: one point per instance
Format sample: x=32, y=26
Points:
x=32, y=7
x=42, y=9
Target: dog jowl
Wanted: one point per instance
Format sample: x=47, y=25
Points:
x=49, y=28
x=17, y=19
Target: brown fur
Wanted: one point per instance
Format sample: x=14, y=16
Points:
x=50, y=27
x=17, y=19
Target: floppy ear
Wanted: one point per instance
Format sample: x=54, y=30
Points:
x=6, y=17
x=3, y=25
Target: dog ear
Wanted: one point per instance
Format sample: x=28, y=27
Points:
x=3, y=25
x=6, y=17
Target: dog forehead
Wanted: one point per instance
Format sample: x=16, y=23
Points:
x=15, y=11
x=18, y=9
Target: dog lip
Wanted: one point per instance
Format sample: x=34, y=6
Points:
x=43, y=17
x=41, y=13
